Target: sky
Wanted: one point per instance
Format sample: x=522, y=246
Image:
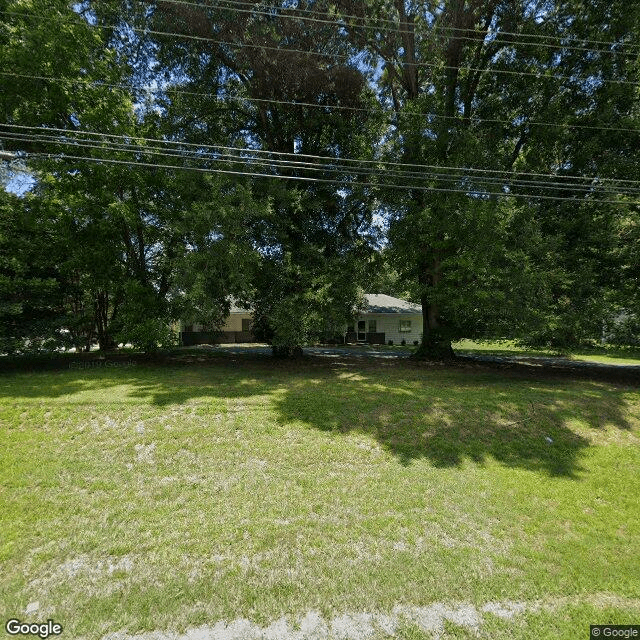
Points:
x=16, y=180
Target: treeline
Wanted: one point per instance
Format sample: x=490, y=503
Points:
x=478, y=157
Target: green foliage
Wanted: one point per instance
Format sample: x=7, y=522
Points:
x=145, y=333
x=142, y=319
x=491, y=270
x=296, y=304
x=145, y=246
x=381, y=276
x=218, y=260
x=31, y=285
x=541, y=269
x=622, y=330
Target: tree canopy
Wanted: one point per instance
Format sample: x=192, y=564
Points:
x=479, y=157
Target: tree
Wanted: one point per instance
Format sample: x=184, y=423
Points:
x=122, y=229
x=592, y=282
x=468, y=88
x=257, y=88
x=46, y=85
x=32, y=289
x=244, y=152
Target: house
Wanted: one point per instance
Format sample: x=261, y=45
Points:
x=382, y=318
x=386, y=318
x=236, y=328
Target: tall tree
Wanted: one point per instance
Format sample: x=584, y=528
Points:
x=48, y=58
x=120, y=228
x=284, y=87
x=496, y=86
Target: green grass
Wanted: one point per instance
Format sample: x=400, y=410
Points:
x=606, y=354
x=149, y=497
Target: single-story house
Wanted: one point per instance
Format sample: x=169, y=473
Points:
x=386, y=318
x=382, y=318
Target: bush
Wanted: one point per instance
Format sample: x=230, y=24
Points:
x=404, y=342
x=623, y=330
x=148, y=334
x=390, y=343
x=416, y=343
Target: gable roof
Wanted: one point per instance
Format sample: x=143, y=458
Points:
x=381, y=303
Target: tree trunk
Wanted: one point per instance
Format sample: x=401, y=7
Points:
x=101, y=306
x=435, y=345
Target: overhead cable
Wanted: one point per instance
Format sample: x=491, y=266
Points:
x=397, y=26
x=300, y=156
x=469, y=191
x=508, y=180
x=169, y=90
x=540, y=75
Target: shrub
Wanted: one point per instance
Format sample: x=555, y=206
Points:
x=404, y=342
x=416, y=343
x=390, y=343
x=623, y=330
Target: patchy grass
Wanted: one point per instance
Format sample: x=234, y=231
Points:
x=149, y=497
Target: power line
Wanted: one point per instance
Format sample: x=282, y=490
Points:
x=511, y=181
x=300, y=156
x=349, y=172
x=321, y=180
x=340, y=170
x=169, y=90
x=537, y=75
x=397, y=26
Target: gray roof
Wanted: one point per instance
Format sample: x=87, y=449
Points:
x=375, y=303
x=381, y=303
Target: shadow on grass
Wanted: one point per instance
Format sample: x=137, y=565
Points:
x=443, y=415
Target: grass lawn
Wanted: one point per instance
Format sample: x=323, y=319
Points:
x=606, y=354
x=352, y=497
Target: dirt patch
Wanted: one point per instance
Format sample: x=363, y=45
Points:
x=368, y=625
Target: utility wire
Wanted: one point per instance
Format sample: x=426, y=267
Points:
x=511, y=181
x=340, y=171
x=321, y=180
x=435, y=27
x=301, y=156
x=170, y=90
x=397, y=27
x=537, y=75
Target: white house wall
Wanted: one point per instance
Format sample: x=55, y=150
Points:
x=389, y=324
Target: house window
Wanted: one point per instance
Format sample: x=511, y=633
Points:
x=372, y=326
x=246, y=324
x=405, y=325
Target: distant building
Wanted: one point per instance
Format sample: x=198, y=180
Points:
x=386, y=318
x=382, y=318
